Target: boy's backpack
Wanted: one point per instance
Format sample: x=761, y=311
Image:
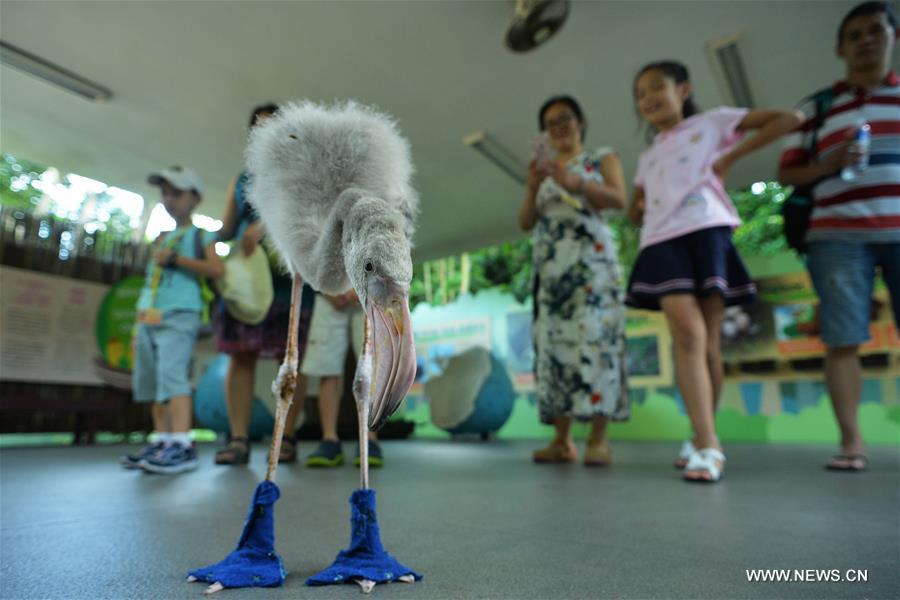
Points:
x=207, y=295
x=796, y=210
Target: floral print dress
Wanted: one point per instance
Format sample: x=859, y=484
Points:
x=579, y=328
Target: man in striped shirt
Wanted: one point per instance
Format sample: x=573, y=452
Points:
x=855, y=223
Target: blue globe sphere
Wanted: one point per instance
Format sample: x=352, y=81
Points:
x=209, y=403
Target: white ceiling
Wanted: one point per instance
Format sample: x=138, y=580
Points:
x=186, y=74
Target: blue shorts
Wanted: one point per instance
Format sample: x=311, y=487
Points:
x=843, y=274
x=701, y=263
x=162, y=357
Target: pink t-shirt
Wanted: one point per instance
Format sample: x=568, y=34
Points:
x=681, y=192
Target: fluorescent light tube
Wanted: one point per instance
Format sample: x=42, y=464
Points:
x=43, y=69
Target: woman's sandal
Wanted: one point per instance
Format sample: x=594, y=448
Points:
x=555, y=453
x=687, y=449
x=237, y=452
x=708, y=462
x=288, y=453
x=598, y=455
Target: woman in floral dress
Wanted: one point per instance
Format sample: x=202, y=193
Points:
x=579, y=328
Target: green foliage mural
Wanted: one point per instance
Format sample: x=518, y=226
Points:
x=657, y=418
x=761, y=232
x=507, y=267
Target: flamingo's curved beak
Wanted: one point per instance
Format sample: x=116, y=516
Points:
x=389, y=339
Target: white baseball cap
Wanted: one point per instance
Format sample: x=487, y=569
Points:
x=180, y=178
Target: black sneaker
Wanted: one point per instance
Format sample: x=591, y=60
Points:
x=376, y=458
x=172, y=459
x=328, y=454
x=133, y=461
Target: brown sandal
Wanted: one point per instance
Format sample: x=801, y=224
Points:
x=598, y=455
x=237, y=452
x=288, y=453
x=555, y=453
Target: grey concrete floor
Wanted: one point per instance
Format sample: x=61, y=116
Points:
x=478, y=519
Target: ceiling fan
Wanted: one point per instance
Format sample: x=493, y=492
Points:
x=535, y=22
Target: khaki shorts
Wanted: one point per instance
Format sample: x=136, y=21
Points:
x=163, y=357
x=330, y=335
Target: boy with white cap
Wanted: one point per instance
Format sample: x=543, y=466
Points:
x=170, y=310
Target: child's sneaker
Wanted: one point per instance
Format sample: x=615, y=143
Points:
x=133, y=461
x=376, y=457
x=172, y=459
x=328, y=454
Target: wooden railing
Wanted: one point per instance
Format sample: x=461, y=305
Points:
x=55, y=246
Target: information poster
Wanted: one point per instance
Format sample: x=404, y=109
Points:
x=785, y=323
x=648, y=348
x=115, y=323
x=437, y=342
x=47, y=327
x=520, y=343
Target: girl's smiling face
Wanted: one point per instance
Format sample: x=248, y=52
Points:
x=659, y=99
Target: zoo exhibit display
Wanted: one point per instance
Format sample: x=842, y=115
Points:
x=783, y=325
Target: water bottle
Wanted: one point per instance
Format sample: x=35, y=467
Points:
x=861, y=140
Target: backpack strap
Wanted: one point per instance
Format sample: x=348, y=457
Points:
x=823, y=100
x=206, y=292
x=797, y=209
x=199, y=252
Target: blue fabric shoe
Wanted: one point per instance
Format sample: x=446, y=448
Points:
x=254, y=563
x=328, y=454
x=172, y=459
x=376, y=457
x=133, y=461
x=366, y=557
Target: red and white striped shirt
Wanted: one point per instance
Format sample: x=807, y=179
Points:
x=868, y=208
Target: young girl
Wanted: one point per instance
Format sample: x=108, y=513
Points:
x=687, y=266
